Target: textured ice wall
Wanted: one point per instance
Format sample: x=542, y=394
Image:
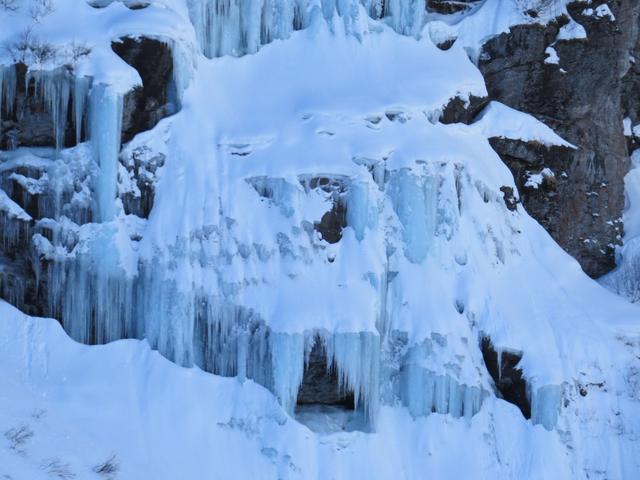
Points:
x=238, y=27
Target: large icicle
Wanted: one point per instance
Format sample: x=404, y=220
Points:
x=288, y=354
x=105, y=125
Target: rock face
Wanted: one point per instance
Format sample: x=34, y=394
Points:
x=584, y=97
x=450, y=6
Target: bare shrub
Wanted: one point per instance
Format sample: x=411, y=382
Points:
x=79, y=50
x=40, y=9
x=11, y=5
x=18, y=436
x=28, y=48
x=57, y=468
x=539, y=7
x=109, y=468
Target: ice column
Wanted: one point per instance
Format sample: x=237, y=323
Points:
x=105, y=124
x=415, y=200
x=545, y=405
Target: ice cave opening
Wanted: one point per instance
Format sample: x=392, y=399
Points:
x=323, y=404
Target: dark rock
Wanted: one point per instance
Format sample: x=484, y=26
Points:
x=144, y=107
x=450, y=6
x=584, y=99
x=509, y=200
x=461, y=111
x=334, y=221
x=331, y=224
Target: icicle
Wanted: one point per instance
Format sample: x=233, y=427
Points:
x=80, y=93
x=288, y=367
x=357, y=359
x=105, y=125
x=54, y=90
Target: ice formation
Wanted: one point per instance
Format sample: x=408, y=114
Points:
x=307, y=192
x=238, y=27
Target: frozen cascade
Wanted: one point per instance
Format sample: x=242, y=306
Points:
x=105, y=126
x=239, y=27
x=192, y=325
x=97, y=307
x=209, y=332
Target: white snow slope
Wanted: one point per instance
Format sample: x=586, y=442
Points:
x=79, y=406
x=277, y=126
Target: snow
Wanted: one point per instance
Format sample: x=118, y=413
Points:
x=12, y=208
x=601, y=11
x=572, y=31
x=552, y=57
x=80, y=406
x=536, y=179
x=501, y=121
x=626, y=125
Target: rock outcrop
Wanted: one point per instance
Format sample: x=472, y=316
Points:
x=580, y=87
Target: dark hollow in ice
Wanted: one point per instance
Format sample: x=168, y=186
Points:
x=321, y=386
x=510, y=384
x=145, y=106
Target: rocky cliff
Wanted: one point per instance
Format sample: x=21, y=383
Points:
x=580, y=84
